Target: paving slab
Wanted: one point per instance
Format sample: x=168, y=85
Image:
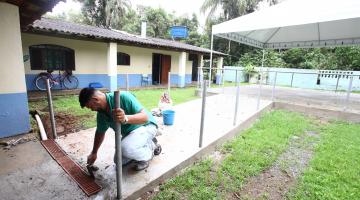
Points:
x=27, y=171
x=180, y=144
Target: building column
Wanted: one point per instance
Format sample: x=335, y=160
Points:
x=14, y=110
x=182, y=69
x=112, y=65
x=219, y=67
x=201, y=73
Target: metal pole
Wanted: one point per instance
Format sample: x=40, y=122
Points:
x=292, y=78
x=223, y=79
x=260, y=85
x=211, y=55
x=337, y=83
x=237, y=98
x=202, y=113
x=348, y=92
x=127, y=82
x=51, y=109
x=198, y=77
x=169, y=83
x=273, y=89
x=118, y=149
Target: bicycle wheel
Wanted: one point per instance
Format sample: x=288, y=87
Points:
x=70, y=82
x=40, y=82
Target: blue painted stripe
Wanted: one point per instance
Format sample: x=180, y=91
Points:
x=84, y=80
x=113, y=83
x=188, y=78
x=14, y=114
x=135, y=80
x=181, y=81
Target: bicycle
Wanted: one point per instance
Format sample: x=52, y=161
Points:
x=65, y=79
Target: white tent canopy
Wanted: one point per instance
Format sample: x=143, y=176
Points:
x=296, y=23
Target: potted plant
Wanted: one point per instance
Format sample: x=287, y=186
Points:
x=251, y=73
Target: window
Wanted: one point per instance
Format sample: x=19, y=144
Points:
x=123, y=59
x=51, y=57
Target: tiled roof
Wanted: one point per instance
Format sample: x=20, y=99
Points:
x=59, y=27
x=31, y=10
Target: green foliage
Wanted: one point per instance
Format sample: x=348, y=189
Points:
x=294, y=57
x=250, y=68
x=158, y=21
x=272, y=58
x=230, y=8
x=348, y=58
x=104, y=13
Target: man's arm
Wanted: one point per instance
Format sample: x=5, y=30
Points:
x=98, y=139
x=138, y=118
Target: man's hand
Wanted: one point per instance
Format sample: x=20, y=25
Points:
x=119, y=115
x=91, y=158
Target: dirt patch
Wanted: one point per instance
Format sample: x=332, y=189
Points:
x=275, y=182
x=65, y=123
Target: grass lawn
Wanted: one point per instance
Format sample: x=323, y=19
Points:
x=87, y=119
x=247, y=155
x=333, y=172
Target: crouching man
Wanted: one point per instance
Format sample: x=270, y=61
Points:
x=138, y=127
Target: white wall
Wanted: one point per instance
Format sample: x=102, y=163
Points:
x=90, y=57
x=12, y=79
x=141, y=60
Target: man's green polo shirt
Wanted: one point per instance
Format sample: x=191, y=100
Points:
x=130, y=105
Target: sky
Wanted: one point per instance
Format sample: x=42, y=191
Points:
x=180, y=7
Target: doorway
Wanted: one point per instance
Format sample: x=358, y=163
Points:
x=161, y=65
x=195, y=64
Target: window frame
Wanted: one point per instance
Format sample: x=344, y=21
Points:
x=125, y=59
x=51, y=57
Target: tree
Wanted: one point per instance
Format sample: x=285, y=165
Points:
x=158, y=21
x=230, y=8
x=71, y=15
x=105, y=13
x=348, y=58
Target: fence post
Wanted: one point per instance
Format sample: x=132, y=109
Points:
x=169, y=83
x=337, y=83
x=259, y=94
x=202, y=113
x=273, y=88
x=348, y=92
x=198, y=79
x=237, y=98
x=51, y=109
x=292, y=79
x=118, y=153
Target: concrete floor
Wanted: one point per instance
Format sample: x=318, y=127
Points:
x=306, y=97
x=28, y=172
x=179, y=142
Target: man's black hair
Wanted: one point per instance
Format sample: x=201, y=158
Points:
x=85, y=96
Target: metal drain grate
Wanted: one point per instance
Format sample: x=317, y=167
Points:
x=85, y=182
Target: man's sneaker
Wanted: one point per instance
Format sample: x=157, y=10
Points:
x=158, y=148
x=141, y=165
